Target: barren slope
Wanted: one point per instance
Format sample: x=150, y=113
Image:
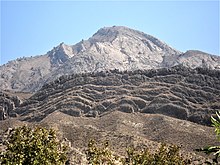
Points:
x=126, y=129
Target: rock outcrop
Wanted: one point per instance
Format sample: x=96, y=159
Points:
x=8, y=104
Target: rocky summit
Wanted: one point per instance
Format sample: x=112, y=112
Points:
x=120, y=85
x=109, y=48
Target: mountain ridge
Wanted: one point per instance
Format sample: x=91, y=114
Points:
x=109, y=48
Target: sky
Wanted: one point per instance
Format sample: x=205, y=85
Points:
x=31, y=28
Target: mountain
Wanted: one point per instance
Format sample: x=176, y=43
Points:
x=109, y=48
x=120, y=85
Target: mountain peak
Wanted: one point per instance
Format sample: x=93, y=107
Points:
x=105, y=34
x=115, y=31
x=125, y=34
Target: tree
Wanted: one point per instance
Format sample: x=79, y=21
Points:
x=37, y=146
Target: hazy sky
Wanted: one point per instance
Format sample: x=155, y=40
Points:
x=35, y=27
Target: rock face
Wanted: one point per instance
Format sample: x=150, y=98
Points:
x=7, y=105
x=108, y=49
x=179, y=92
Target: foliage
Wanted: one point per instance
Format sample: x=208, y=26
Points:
x=216, y=124
x=101, y=155
x=166, y=155
x=214, y=149
x=37, y=146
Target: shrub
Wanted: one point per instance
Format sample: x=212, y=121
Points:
x=37, y=146
x=216, y=124
x=213, y=149
x=97, y=155
x=165, y=155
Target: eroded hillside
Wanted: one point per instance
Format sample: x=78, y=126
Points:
x=179, y=92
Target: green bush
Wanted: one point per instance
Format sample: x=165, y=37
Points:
x=215, y=150
x=37, y=146
x=165, y=155
x=97, y=155
x=216, y=124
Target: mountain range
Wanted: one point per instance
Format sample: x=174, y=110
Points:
x=109, y=48
x=122, y=86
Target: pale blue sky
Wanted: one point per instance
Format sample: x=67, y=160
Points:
x=35, y=27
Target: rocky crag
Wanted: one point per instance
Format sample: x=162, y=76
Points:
x=109, y=48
